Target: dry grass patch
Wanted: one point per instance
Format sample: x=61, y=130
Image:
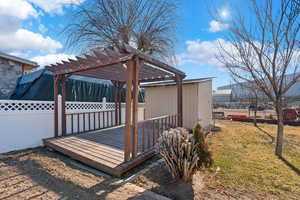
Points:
x=248, y=167
x=246, y=157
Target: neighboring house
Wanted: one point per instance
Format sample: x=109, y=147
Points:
x=12, y=67
x=161, y=99
x=292, y=95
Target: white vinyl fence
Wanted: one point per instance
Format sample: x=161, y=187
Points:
x=24, y=124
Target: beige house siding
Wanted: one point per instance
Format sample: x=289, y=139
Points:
x=162, y=100
x=205, y=105
x=190, y=105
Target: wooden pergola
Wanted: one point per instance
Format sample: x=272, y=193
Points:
x=130, y=69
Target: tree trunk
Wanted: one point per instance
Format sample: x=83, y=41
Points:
x=255, y=116
x=249, y=112
x=255, y=112
x=280, y=127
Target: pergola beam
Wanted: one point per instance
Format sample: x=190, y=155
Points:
x=61, y=69
x=110, y=66
x=106, y=76
x=153, y=61
x=156, y=79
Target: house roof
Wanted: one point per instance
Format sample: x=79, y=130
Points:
x=18, y=59
x=172, y=82
x=222, y=92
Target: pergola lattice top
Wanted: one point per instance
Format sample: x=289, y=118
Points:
x=111, y=65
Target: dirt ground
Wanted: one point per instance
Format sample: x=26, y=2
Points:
x=201, y=187
x=41, y=174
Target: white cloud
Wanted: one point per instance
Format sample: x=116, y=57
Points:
x=216, y=26
x=17, y=8
x=203, y=52
x=25, y=39
x=55, y=6
x=9, y=24
x=51, y=59
x=19, y=53
x=13, y=37
x=42, y=28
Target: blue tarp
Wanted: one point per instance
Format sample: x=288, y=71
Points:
x=38, y=85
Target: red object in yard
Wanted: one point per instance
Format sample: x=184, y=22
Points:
x=238, y=116
x=290, y=114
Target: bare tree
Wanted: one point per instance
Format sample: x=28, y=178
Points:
x=263, y=51
x=296, y=5
x=252, y=95
x=254, y=99
x=146, y=25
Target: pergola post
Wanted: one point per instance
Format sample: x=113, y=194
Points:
x=117, y=96
x=55, y=98
x=120, y=104
x=135, y=106
x=63, y=106
x=179, y=100
x=127, y=135
x=121, y=84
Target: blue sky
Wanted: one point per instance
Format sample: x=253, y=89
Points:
x=30, y=29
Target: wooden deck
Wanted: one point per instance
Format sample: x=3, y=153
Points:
x=103, y=150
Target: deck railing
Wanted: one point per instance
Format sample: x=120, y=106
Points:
x=149, y=130
x=152, y=128
x=90, y=121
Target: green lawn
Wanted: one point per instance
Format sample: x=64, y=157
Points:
x=245, y=155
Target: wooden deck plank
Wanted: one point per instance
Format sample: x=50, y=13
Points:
x=106, y=155
x=87, y=154
x=96, y=144
x=103, y=150
x=101, y=147
x=108, y=140
x=84, y=159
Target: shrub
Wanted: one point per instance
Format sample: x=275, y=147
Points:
x=204, y=155
x=179, y=151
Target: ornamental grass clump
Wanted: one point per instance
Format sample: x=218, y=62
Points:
x=204, y=155
x=179, y=151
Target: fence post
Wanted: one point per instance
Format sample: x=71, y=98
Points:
x=55, y=96
x=59, y=111
x=104, y=103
